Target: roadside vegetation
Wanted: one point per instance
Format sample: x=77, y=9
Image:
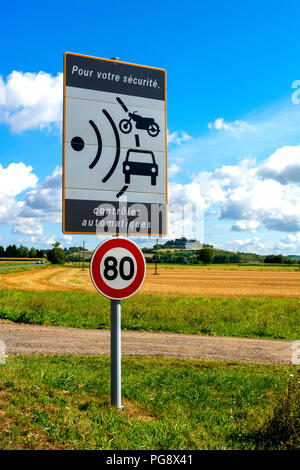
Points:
x=56, y=255
x=62, y=402
x=24, y=268
x=4, y=264
x=272, y=318
x=177, y=252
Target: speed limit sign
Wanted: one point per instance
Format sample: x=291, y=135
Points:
x=118, y=268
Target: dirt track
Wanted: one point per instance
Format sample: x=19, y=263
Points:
x=32, y=339
x=174, y=281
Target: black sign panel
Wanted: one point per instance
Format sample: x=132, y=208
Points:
x=115, y=77
x=113, y=218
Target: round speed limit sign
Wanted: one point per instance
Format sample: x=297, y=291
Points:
x=118, y=268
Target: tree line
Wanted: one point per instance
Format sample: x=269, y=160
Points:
x=55, y=255
x=12, y=251
x=209, y=255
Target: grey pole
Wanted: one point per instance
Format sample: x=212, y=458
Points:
x=83, y=255
x=115, y=353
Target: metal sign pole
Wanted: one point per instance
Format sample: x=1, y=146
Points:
x=156, y=256
x=83, y=255
x=115, y=353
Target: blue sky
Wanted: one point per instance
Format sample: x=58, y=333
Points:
x=233, y=120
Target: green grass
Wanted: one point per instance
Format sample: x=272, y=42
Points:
x=3, y=264
x=77, y=264
x=273, y=318
x=62, y=402
x=24, y=268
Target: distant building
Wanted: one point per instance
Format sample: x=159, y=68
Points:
x=193, y=245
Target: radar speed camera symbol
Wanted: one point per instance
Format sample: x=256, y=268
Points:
x=118, y=268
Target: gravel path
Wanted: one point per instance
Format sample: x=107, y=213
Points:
x=35, y=339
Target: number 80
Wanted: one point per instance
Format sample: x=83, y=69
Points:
x=110, y=265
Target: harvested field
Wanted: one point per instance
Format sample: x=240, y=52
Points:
x=175, y=281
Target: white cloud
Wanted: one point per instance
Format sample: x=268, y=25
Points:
x=250, y=245
x=245, y=226
x=31, y=100
x=67, y=239
x=2, y=91
x=283, y=165
x=28, y=229
x=236, y=127
x=185, y=193
x=244, y=196
x=44, y=202
x=35, y=235
x=173, y=169
x=290, y=244
x=41, y=204
x=14, y=179
x=178, y=137
x=39, y=239
x=185, y=211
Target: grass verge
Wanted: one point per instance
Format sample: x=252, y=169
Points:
x=273, y=318
x=62, y=402
x=20, y=269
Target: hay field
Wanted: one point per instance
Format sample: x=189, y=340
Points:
x=177, y=281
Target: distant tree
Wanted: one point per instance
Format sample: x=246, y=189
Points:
x=206, y=255
x=234, y=258
x=180, y=259
x=57, y=256
x=73, y=249
x=23, y=251
x=39, y=253
x=180, y=241
x=11, y=251
x=32, y=253
x=221, y=258
x=276, y=259
x=2, y=251
x=55, y=244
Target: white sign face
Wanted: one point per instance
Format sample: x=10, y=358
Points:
x=117, y=268
x=114, y=178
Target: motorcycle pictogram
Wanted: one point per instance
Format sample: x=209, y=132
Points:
x=143, y=123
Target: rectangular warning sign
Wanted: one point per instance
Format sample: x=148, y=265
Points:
x=114, y=147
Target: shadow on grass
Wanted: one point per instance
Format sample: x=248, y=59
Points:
x=281, y=430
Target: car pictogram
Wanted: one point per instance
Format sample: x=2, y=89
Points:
x=142, y=163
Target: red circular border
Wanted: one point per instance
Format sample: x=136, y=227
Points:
x=99, y=283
